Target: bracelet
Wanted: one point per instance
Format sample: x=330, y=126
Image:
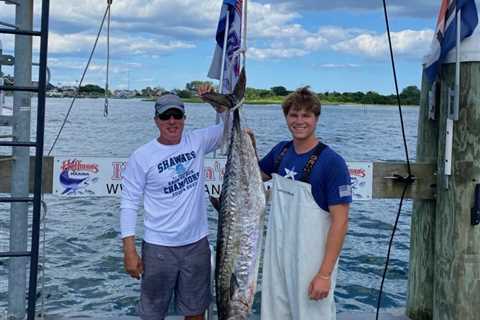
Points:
x=323, y=277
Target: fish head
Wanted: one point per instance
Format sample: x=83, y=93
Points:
x=222, y=102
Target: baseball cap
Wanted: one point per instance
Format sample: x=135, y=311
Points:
x=168, y=101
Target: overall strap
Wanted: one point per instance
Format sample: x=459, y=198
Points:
x=311, y=162
x=281, y=155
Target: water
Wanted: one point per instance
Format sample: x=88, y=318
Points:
x=84, y=270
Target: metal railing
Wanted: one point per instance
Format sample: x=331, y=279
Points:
x=38, y=145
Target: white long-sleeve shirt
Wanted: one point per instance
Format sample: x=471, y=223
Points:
x=170, y=180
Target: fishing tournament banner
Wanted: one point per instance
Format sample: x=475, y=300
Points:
x=92, y=176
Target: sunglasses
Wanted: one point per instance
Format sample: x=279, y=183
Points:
x=177, y=115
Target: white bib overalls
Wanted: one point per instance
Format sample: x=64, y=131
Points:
x=294, y=249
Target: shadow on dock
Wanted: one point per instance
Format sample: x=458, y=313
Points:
x=340, y=316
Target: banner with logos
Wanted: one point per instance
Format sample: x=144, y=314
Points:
x=93, y=176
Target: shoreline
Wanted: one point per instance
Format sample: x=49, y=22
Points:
x=247, y=102
x=279, y=102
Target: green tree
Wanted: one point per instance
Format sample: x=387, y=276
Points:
x=92, y=89
x=193, y=85
x=184, y=94
x=279, y=91
x=410, y=95
x=147, y=92
x=253, y=94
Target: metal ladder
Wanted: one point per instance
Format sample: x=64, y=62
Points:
x=38, y=145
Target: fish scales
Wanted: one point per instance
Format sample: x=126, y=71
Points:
x=240, y=231
x=241, y=217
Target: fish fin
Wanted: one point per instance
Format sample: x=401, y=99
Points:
x=239, y=90
x=215, y=202
x=233, y=285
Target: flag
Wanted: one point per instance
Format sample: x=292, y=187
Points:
x=232, y=8
x=445, y=38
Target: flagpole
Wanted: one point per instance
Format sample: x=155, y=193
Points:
x=244, y=33
x=224, y=53
x=457, y=66
x=454, y=109
x=222, y=73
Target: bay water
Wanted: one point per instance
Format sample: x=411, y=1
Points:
x=84, y=275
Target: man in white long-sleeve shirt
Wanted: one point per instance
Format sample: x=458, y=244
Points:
x=167, y=173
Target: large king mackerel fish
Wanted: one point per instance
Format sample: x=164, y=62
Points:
x=241, y=216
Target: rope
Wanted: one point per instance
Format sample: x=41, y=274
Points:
x=396, y=87
x=407, y=181
x=44, y=204
x=379, y=300
x=105, y=109
x=82, y=78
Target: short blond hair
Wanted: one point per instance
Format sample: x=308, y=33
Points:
x=302, y=99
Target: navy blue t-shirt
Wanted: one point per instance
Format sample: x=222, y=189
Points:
x=329, y=177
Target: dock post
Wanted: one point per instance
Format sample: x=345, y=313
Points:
x=457, y=243
x=420, y=277
x=20, y=166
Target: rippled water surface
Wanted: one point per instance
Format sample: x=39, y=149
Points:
x=84, y=268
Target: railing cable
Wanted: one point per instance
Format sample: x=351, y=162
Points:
x=407, y=181
x=107, y=11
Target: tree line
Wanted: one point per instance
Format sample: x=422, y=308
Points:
x=409, y=95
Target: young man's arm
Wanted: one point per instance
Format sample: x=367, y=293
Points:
x=321, y=282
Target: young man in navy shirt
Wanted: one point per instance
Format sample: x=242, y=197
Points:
x=311, y=196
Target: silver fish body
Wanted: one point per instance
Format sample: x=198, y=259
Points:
x=241, y=217
x=240, y=228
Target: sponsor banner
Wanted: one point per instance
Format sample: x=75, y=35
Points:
x=92, y=176
x=88, y=176
x=362, y=180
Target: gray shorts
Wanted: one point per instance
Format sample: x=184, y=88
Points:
x=183, y=271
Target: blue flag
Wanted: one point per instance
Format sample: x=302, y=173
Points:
x=445, y=38
x=232, y=8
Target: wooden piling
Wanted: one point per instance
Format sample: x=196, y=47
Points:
x=456, y=285
x=420, y=278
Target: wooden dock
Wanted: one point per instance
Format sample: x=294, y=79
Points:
x=371, y=316
x=340, y=316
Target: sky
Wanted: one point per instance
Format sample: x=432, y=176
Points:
x=336, y=45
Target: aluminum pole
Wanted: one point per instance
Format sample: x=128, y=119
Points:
x=454, y=108
x=244, y=33
x=2, y=95
x=457, y=66
x=20, y=166
x=222, y=73
x=224, y=52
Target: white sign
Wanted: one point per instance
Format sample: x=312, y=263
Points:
x=362, y=179
x=89, y=176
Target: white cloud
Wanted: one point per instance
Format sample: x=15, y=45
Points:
x=76, y=43
x=276, y=30
x=157, y=27
x=406, y=43
x=275, y=53
x=412, y=8
x=160, y=17
x=338, y=66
